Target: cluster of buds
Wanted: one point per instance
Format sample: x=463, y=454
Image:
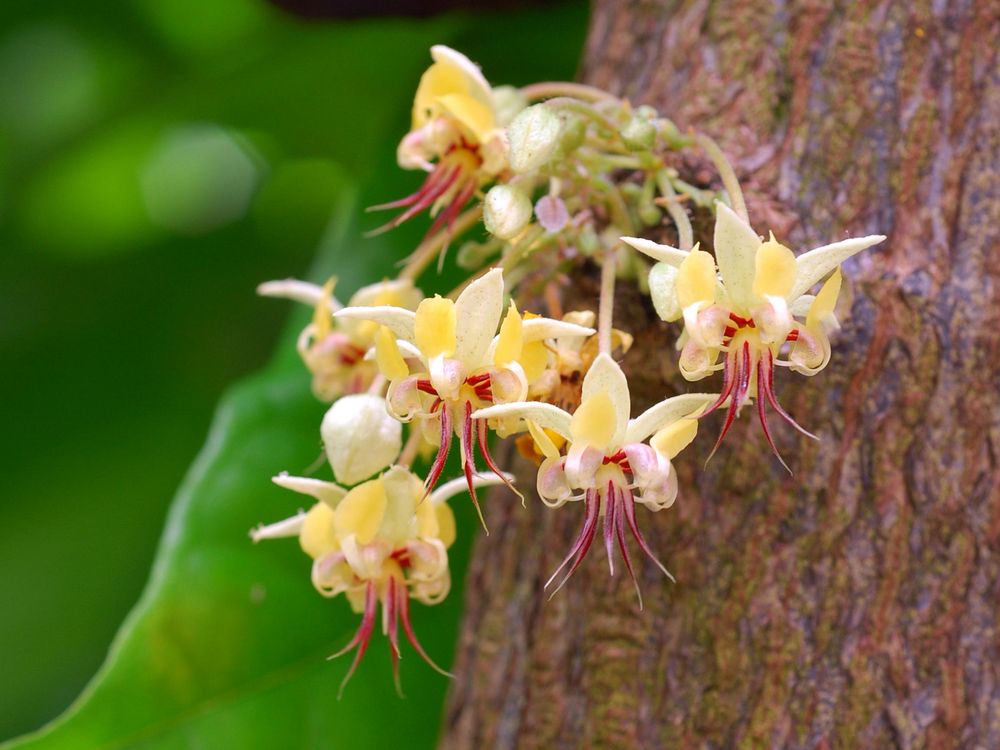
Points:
x=559, y=174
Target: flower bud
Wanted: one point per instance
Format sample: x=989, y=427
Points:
x=551, y=213
x=663, y=290
x=360, y=437
x=639, y=134
x=534, y=137
x=506, y=211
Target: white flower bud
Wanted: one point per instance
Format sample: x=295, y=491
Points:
x=506, y=211
x=663, y=290
x=534, y=137
x=360, y=437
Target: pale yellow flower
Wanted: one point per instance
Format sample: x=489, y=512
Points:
x=607, y=462
x=448, y=359
x=750, y=303
x=456, y=136
x=334, y=352
x=383, y=542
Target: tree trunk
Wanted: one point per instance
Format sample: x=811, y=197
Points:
x=855, y=604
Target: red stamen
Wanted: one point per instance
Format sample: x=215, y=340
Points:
x=392, y=616
x=433, y=189
x=583, y=542
x=468, y=460
x=484, y=448
x=768, y=388
x=741, y=388
x=442, y=455
x=762, y=411
x=728, y=380
x=362, y=637
x=404, y=616
x=425, y=386
x=628, y=505
x=619, y=499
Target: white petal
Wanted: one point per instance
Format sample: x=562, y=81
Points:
x=477, y=313
x=736, y=254
x=663, y=253
x=815, y=264
x=325, y=492
x=360, y=437
x=293, y=289
x=536, y=329
x=542, y=414
x=458, y=486
x=606, y=376
x=396, y=319
x=799, y=307
x=280, y=529
x=666, y=412
x=403, y=288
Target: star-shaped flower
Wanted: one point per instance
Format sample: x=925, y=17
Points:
x=607, y=462
x=751, y=305
x=382, y=542
x=456, y=136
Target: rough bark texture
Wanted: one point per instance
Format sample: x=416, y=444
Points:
x=856, y=604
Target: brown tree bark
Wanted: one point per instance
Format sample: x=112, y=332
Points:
x=855, y=604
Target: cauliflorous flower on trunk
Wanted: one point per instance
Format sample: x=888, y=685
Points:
x=334, y=352
x=456, y=137
x=384, y=542
x=754, y=310
x=607, y=463
x=460, y=364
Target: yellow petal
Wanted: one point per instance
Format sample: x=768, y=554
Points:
x=675, y=437
x=825, y=301
x=317, y=536
x=361, y=511
x=534, y=359
x=323, y=314
x=774, y=271
x=510, y=341
x=696, y=279
x=387, y=355
x=545, y=440
x=476, y=118
x=440, y=79
x=435, y=520
x=594, y=422
x=434, y=327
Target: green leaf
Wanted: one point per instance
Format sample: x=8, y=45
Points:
x=227, y=645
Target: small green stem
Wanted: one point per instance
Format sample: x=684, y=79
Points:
x=550, y=89
x=606, y=305
x=728, y=175
x=685, y=234
x=428, y=249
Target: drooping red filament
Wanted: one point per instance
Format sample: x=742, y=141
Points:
x=619, y=510
x=471, y=431
x=737, y=370
x=453, y=181
x=396, y=605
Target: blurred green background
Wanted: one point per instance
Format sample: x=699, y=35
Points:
x=158, y=159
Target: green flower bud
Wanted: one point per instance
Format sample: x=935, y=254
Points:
x=639, y=134
x=533, y=137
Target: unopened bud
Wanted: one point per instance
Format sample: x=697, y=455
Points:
x=639, y=134
x=534, y=137
x=506, y=211
x=360, y=437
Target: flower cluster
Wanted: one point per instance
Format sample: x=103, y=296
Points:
x=560, y=175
